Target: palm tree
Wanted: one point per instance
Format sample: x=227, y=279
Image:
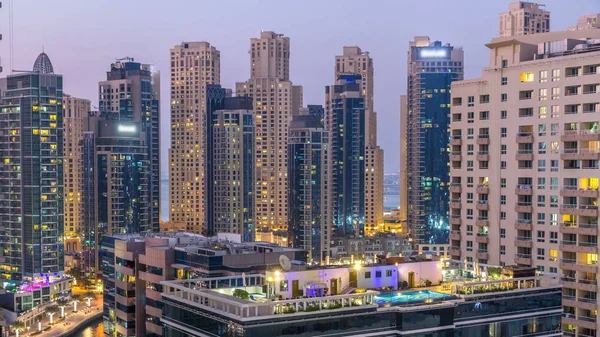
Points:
x=17, y=326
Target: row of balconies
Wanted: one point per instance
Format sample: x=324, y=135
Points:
x=582, y=266
x=581, y=210
x=580, y=154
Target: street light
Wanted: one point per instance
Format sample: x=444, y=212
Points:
x=39, y=326
x=51, y=314
x=89, y=303
x=75, y=305
x=62, y=311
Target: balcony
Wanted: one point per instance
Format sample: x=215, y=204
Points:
x=522, y=224
x=524, y=189
x=580, y=135
x=582, y=154
x=523, y=259
x=568, y=209
x=587, y=210
x=576, y=191
x=567, y=245
x=455, y=188
x=568, y=228
x=567, y=264
x=455, y=156
x=483, y=205
x=585, y=266
x=524, y=138
x=456, y=141
x=482, y=254
x=455, y=251
x=483, y=189
x=482, y=238
x=587, y=247
x=523, y=207
x=524, y=155
x=455, y=203
x=523, y=241
x=454, y=235
x=482, y=221
x=455, y=220
x=483, y=140
x=483, y=156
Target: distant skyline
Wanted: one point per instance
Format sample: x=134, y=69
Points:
x=82, y=38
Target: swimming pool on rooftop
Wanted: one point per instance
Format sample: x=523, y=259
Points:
x=411, y=297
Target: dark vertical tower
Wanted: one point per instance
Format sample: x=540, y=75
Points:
x=309, y=194
x=432, y=67
x=345, y=122
x=31, y=174
x=215, y=100
x=232, y=157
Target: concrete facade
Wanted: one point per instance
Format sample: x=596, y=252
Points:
x=524, y=164
x=524, y=18
x=194, y=65
x=75, y=112
x=276, y=99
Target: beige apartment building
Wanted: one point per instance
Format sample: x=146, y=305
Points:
x=587, y=22
x=75, y=111
x=194, y=65
x=524, y=18
x=276, y=99
x=525, y=153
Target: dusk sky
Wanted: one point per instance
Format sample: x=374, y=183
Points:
x=83, y=37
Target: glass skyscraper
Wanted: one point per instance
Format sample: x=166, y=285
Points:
x=345, y=122
x=31, y=174
x=432, y=67
x=309, y=197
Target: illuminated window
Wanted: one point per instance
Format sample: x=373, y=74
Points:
x=527, y=77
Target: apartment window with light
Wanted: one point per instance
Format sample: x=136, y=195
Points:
x=555, y=75
x=554, y=201
x=543, y=76
x=543, y=94
x=526, y=77
x=556, y=93
x=503, y=114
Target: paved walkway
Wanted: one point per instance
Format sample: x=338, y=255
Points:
x=70, y=322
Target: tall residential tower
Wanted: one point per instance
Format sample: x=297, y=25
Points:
x=309, y=196
x=355, y=61
x=194, y=65
x=432, y=67
x=31, y=174
x=524, y=164
x=276, y=99
x=75, y=112
x=524, y=18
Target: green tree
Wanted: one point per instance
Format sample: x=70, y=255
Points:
x=241, y=293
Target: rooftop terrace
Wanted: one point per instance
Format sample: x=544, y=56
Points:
x=222, y=295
